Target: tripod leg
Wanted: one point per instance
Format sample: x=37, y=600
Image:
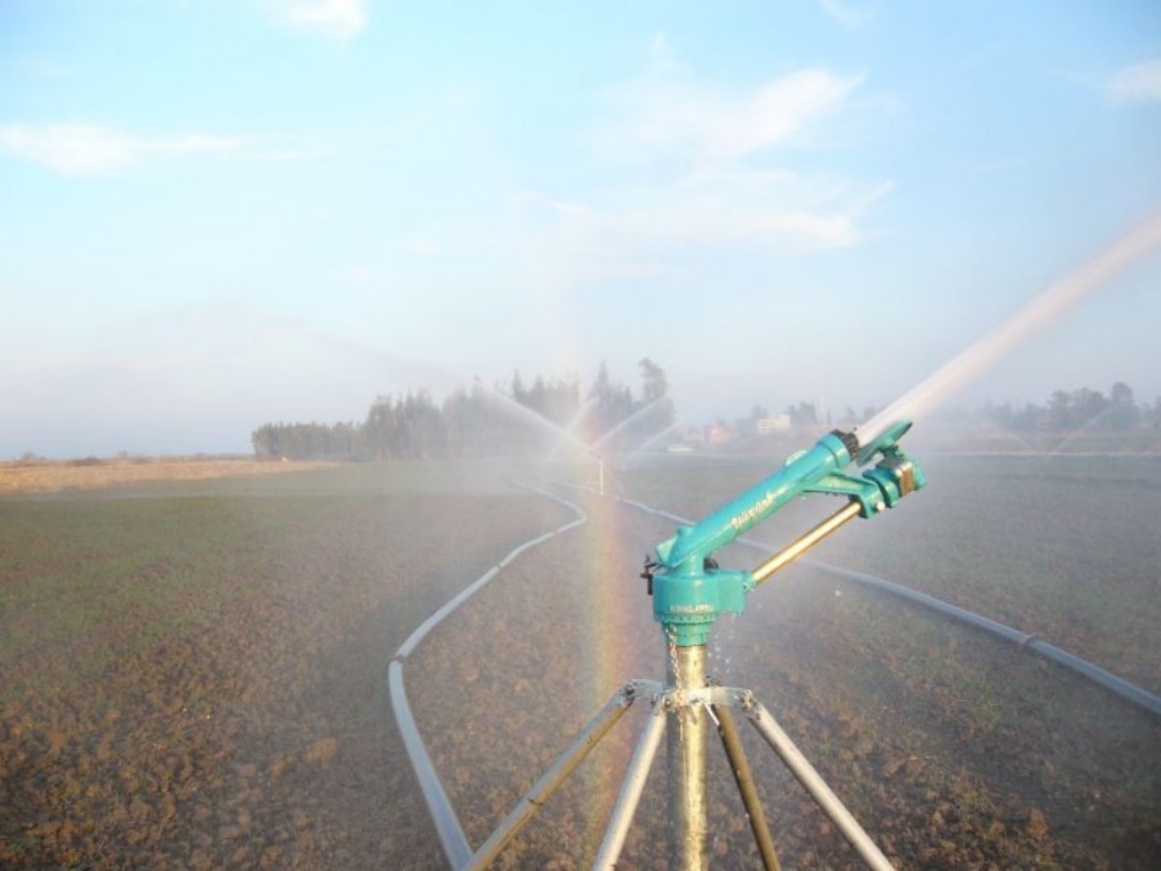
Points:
x=732, y=742
x=631, y=788
x=557, y=773
x=855, y=834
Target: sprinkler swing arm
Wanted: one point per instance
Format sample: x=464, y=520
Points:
x=689, y=590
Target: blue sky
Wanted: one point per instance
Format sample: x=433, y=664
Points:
x=216, y=214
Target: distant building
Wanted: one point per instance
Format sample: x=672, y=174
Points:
x=777, y=423
x=715, y=434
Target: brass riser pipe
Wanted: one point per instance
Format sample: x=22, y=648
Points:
x=686, y=756
x=804, y=543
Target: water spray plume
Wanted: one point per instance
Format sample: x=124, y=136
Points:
x=570, y=428
x=621, y=425
x=531, y=416
x=589, y=405
x=654, y=439
x=1053, y=302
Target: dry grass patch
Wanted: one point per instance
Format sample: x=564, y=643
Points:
x=49, y=476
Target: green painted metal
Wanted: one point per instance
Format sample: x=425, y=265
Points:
x=690, y=592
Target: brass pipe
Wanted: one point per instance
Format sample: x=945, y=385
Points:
x=808, y=540
x=686, y=754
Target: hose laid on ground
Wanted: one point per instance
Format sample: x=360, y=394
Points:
x=1025, y=641
x=447, y=824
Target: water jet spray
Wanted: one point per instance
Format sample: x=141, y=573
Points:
x=1034, y=315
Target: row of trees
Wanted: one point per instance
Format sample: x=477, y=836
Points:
x=1079, y=409
x=478, y=421
x=1065, y=411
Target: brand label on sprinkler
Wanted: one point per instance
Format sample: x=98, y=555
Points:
x=740, y=522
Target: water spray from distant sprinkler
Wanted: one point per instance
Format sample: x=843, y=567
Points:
x=610, y=433
x=654, y=439
x=531, y=415
x=622, y=424
x=571, y=426
x=589, y=405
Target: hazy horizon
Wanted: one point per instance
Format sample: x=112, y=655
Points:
x=222, y=215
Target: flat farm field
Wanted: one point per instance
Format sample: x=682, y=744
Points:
x=194, y=673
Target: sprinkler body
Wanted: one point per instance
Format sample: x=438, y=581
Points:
x=690, y=592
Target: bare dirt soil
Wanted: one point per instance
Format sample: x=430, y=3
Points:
x=194, y=677
x=50, y=476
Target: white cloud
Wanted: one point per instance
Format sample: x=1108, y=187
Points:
x=845, y=15
x=338, y=19
x=637, y=239
x=1137, y=83
x=666, y=117
x=88, y=150
x=695, y=166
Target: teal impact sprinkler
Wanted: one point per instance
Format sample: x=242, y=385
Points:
x=690, y=592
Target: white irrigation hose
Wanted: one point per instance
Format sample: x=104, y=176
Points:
x=447, y=824
x=1023, y=640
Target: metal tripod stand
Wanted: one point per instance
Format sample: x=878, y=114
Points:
x=687, y=698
